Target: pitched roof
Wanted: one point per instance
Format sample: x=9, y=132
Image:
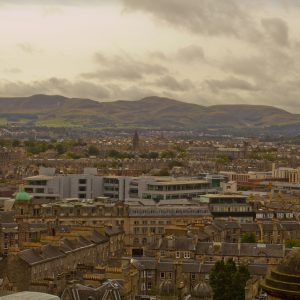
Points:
x=204, y=248
x=42, y=254
x=177, y=243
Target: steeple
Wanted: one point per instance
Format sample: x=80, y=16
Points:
x=135, y=142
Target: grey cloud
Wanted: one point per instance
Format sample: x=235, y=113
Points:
x=253, y=66
x=190, y=53
x=28, y=48
x=52, y=2
x=158, y=55
x=123, y=67
x=277, y=29
x=169, y=82
x=133, y=92
x=231, y=83
x=271, y=65
x=212, y=17
x=12, y=70
x=54, y=86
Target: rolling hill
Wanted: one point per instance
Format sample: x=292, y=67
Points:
x=150, y=112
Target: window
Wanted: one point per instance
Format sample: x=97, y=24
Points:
x=170, y=275
x=193, y=276
x=177, y=254
x=82, y=188
x=149, y=285
x=187, y=254
x=82, y=181
x=160, y=230
x=162, y=275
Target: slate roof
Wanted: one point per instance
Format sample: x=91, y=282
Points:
x=290, y=226
x=249, y=227
x=176, y=243
x=147, y=263
x=7, y=216
x=10, y=227
x=258, y=269
x=243, y=249
x=229, y=249
x=67, y=245
x=98, y=238
x=165, y=266
x=204, y=248
x=268, y=250
x=42, y=254
x=191, y=267
x=111, y=231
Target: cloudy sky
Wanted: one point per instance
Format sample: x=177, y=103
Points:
x=200, y=51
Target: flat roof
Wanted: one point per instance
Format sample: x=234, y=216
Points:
x=30, y=296
x=39, y=177
x=223, y=196
x=175, y=182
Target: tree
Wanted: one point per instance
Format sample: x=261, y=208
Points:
x=16, y=143
x=163, y=172
x=216, y=279
x=292, y=243
x=240, y=279
x=249, y=237
x=93, y=150
x=167, y=154
x=174, y=163
x=228, y=281
x=60, y=149
x=223, y=159
x=150, y=155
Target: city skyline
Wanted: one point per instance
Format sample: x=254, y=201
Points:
x=203, y=52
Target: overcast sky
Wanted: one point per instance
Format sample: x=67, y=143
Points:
x=201, y=51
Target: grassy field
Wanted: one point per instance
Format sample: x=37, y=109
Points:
x=56, y=123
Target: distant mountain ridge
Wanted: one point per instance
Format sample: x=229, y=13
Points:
x=150, y=112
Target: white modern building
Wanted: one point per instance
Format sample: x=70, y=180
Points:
x=89, y=185
x=57, y=186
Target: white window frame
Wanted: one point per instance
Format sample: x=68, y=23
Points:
x=186, y=254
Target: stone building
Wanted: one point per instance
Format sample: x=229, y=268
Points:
x=283, y=281
x=49, y=267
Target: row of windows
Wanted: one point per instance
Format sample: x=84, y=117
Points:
x=231, y=209
x=182, y=187
x=145, y=230
x=179, y=254
x=167, y=211
x=152, y=222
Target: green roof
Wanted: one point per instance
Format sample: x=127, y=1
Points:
x=22, y=196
